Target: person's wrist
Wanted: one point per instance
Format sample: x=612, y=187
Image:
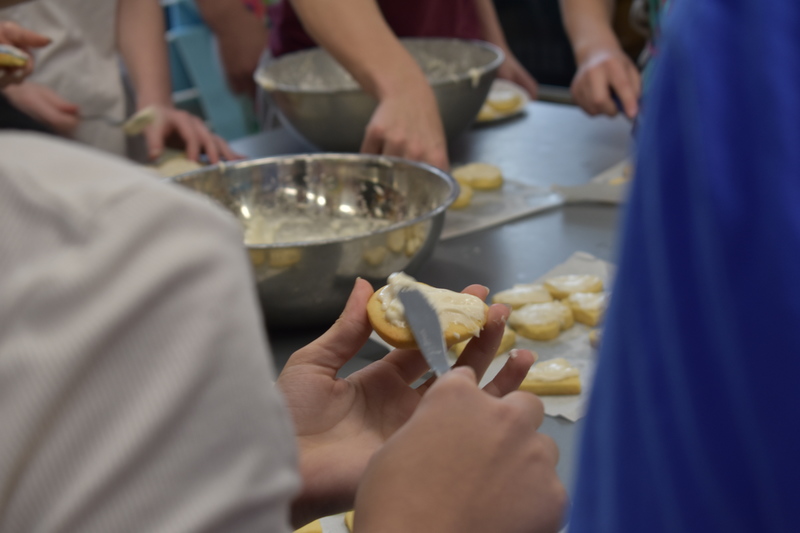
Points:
x=323, y=491
x=588, y=47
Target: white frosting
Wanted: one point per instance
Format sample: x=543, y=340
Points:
x=552, y=370
x=539, y=314
x=589, y=301
x=452, y=307
x=521, y=294
x=574, y=282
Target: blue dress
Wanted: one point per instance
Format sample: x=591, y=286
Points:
x=693, y=420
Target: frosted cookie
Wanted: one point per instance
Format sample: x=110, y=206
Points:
x=561, y=287
x=587, y=307
x=464, y=197
x=462, y=316
x=541, y=322
x=506, y=343
x=552, y=377
x=12, y=57
x=479, y=176
x=175, y=165
x=523, y=294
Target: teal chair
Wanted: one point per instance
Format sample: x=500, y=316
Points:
x=198, y=82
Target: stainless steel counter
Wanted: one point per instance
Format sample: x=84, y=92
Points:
x=550, y=144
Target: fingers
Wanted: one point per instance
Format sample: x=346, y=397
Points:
x=621, y=84
x=480, y=351
x=13, y=34
x=341, y=342
x=529, y=403
x=512, y=374
x=409, y=364
x=59, y=113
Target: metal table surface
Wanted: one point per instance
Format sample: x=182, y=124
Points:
x=549, y=144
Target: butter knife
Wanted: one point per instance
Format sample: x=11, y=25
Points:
x=424, y=323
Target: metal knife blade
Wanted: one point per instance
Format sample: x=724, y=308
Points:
x=424, y=323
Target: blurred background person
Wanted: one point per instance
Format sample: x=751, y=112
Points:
x=77, y=87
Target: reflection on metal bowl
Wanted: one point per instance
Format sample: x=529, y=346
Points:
x=320, y=101
x=314, y=223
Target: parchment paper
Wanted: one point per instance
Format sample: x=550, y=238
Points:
x=517, y=200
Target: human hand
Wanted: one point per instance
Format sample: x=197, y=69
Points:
x=187, y=130
x=340, y=423
x=407, y=124
x=15, y=35
x=45, y=105
x=465, y=461
x=602, y=71
x=512, y=70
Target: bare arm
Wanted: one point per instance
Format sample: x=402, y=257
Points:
x=141, y=41
x=602, y=64
x=406, y=122
x=242, y=39
x=511, y=69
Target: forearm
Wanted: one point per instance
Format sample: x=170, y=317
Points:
x=141, y=40
x=490, y=25
x=356, y=34
x=588, y=25
x=229, y=17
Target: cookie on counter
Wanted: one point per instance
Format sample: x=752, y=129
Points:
x=587, y=307
x=541, y=322
x=464, y=197
x=479, y=176
x=462, y=316
x=561, y=287
x=554, y=377
x=523, y=294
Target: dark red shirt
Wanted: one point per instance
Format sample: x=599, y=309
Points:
x=407, y=18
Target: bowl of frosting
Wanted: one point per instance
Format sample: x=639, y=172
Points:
x=313, y=223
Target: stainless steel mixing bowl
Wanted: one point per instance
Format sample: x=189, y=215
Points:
x=320, y=101
x=314, y=223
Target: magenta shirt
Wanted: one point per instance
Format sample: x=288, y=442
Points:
x=407, y=18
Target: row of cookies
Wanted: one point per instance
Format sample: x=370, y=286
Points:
x=541, y=311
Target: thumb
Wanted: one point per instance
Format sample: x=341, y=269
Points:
x=348, y=335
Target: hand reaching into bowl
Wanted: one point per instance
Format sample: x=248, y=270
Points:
x=341, y=423
x=407, y=124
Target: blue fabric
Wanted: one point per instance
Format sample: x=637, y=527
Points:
x=693, y=420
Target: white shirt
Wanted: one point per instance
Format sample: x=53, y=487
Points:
x=135, y=385
x=81, y=63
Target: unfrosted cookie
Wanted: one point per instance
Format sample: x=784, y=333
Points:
x=587, y=307
x=464, y=197
x=562, y=286
x=461, y=316
x=506, y=343
x=313, y=527
x=349, y=519
x=552, y=377
x=541, y=322
x=595, y=336
x=523, y=294
x=479, y=176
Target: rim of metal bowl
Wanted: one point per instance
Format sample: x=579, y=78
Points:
x=272, y=86
x=382, y=159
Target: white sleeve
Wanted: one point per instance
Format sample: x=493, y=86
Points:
x=136, y=392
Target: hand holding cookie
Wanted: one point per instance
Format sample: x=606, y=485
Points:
x=341, y=423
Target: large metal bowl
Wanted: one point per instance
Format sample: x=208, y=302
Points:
x=319, y=100
x=314, y=223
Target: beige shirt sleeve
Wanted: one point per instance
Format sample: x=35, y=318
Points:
x=135, y=386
